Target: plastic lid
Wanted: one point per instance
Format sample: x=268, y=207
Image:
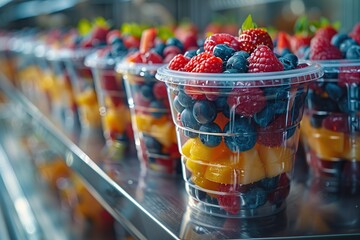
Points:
x=69, y=54
x=136, y=68
x=312, y=72
x=341, y=65
x=94, y=61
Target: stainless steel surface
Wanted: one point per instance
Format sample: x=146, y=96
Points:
x=156, y=207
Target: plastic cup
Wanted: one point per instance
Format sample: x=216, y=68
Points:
x=154, y=130
x=83, y=86
x=114, y=108
x=238, y=134
x=331, y=124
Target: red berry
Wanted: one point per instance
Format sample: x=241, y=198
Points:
x=108, y=81
x=283, y=41
x=195, y=92
x=326, y=32
x=247, y=101
x=151, y=57
x=264, y=60
x=178, y=62
x=221, y=38
x=355, y=30
x=205, y=62
x=99, y=33
x=169, y=57
x=250, y=39
x=349, y=75
x=171, y=50
x=147, y=39
x=282, y=191
x=159, y=90
x=135, y=57
x=112, y=35
x=273, y=134
x=321, y=49
x=356, y=38
x=230, y=202
x=336, y=123
x=131, y=42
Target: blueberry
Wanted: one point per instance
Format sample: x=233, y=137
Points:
x=339, y=38
x=296, y=110
x=242, y=53
x=269, y=184
x=278, y=98
x=345, y=45
x=200, y=42
x=265, y=116
x=353, y=52
x=178, y=107
x=292, y=58
x=254, y=198
x=159, y=48
x=242, y=134
x=118, y=49
x=190, y=53
x=223, y=51
x=157, y=109
x=319, y=103
x=330, y=75
x=175, y=42
x=152, y=145
x=238, y=62
x=221, y=103
x=147, y=92
x=286, y=63
x=210, y=139
x=334, y=91
x=204, y=111
x=200, y=50
x=188, y=121
x=185, y=100
x=231, y=71
x=307, y=53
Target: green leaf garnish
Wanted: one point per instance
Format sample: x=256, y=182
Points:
x=248, y=23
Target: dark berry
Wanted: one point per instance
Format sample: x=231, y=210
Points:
x=147, y=92
x=223, y=51
x=200, y=50
x=152, y=145
x=157, y=108
x=286, y=63
x=188, y=121
x=190, y=53
x=269, y=184
x=175, y=42
x=185, y=100
x=159, y=90
x=316, y=120
x=339, y=38
x=345, y=45
x=204, y=111
x=282, y=191
x=334, y=91
x=254, y=198
x=178, y=107
x=276, y=132
x=241, y=134
x=159, y=48
x=353, y=52
x=292, y=58
x=336, y=123
x=207, y=137
x=237, y=62
x=265, y=116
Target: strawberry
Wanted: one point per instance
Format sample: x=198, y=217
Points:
x=264, y=60
x=131, y=42
x=151, y=57
x=283, y=41
x=326, y=32
x=178, y=62
x=321, y=49
x=221, y=38
x=205, y=62
x=135, y=57
x=356, y=38
x=147, y=39
x=251, y=37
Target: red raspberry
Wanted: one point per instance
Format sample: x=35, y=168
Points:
x=178, y=62
x=321, y=49
x=336, y=123
x=326, y=32
x=349, y=75
x=171, y=50
x=250, y=39
x=230, y=202
x=247, y=101
x=159, y=90
x=356, y=30
x=135, y=57
x=151, y=57
x=356, y=38
x=273, y=134
x=131, y=42
x=221, y=38
x=264, y=60
x=205, y=62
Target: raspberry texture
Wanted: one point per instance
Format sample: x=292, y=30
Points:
x=221, y=38
x=247, y=101
x=204, y=63
x=326, y=32
x=178, y=62
x=264, y=60
x=251, y=38
x=321, y=49
x=230, y=202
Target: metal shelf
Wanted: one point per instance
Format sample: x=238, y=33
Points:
x=155, y=207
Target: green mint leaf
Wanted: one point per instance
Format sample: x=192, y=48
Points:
x=248, y=23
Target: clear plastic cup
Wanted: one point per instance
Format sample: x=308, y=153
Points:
x=114, y=108
x=331, y=123
x=154, y=130
x=238, y=134
x=83, y=85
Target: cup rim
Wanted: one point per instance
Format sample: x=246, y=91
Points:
x=312, y=72
x=136, y=68
x=94, y=61
x=338, y=63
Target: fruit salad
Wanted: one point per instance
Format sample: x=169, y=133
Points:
x=237, y=109
x=110, y=89
x=331, y=120
x=154, y=130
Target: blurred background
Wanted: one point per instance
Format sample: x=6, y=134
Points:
x=280, y=14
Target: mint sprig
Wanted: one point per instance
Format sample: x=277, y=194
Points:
x=248, y=23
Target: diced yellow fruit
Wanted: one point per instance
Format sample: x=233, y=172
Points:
x=197, y=168
x=186, y=147
x=164, y=133
x=114, y=121
x=243, y=168
x=352, y=149
x=204, y=183
x=276, y=160
x=143, y=122
x=209, y=154
x=90, y=115
x=87, y=97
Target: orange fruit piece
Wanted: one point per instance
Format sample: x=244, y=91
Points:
x=351, y=149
